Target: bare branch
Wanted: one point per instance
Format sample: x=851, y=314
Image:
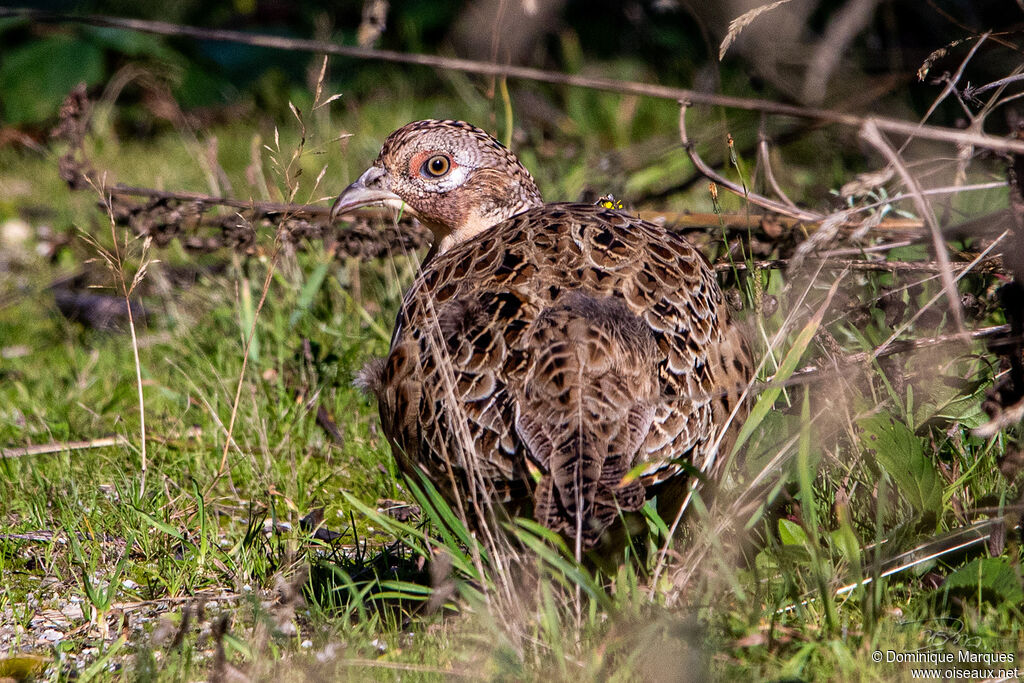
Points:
x=806, y=373
x=972, y=93
x=753, y=197
x=769, y=175
x=894, y=126
x=951, y=83
x=859, y=265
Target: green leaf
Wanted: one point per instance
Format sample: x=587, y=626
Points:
x=963, y=409
x=402, y=590
x=996, y=581
x=201, y=88
x=433, y=504
x=101, y=663
x=36, y=78
x=650, y=511
x=791, y=533
x=775, y=429
x=309, y=290
x=901, y=454
x=8, y=23
x=564, y=568
x=409, y=534
x=159, y=525
x=130, y=43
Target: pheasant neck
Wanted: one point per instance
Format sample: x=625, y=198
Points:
x=446, y=236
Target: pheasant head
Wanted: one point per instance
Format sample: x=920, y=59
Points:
x=456, y=179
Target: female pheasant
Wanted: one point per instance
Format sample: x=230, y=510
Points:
x=545, y=351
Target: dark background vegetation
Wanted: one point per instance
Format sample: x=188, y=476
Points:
x=670, y=42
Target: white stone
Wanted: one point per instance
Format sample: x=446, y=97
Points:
x=52, y=635
x=15, y=232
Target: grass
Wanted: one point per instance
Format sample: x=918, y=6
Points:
x=211, y=572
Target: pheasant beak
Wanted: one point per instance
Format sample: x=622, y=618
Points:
x=371, y=188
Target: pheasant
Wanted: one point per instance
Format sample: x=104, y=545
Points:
x=567, y=361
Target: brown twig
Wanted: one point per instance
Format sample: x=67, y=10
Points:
x=753, y=197
x=863, y=265
x=895, y=126
x=169, y=214
x=258, y=208
x=955, y=78
x=811, y=372
x=747, y=221
x=766, y=160
x=972, y=93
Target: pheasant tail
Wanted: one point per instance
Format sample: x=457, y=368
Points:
x=586, y=404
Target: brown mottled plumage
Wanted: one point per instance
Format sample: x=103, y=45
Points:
x=546, y=350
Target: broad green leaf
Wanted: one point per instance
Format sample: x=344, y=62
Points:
x=791, y=533
x=993, y=576
x=963, y=409
x=901, y=454
x=36, y=78
x=309, y=291
x=775, y=429
x=131, y=43
x=650, y=511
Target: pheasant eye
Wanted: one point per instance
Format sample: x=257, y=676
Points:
x=436, y=166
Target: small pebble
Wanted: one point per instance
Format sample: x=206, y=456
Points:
x=15, y=232
x=52, y=635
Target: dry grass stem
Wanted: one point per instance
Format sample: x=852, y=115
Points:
x=115, y=261
x=737, y=25
x=764, y=156
x=61, y=447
